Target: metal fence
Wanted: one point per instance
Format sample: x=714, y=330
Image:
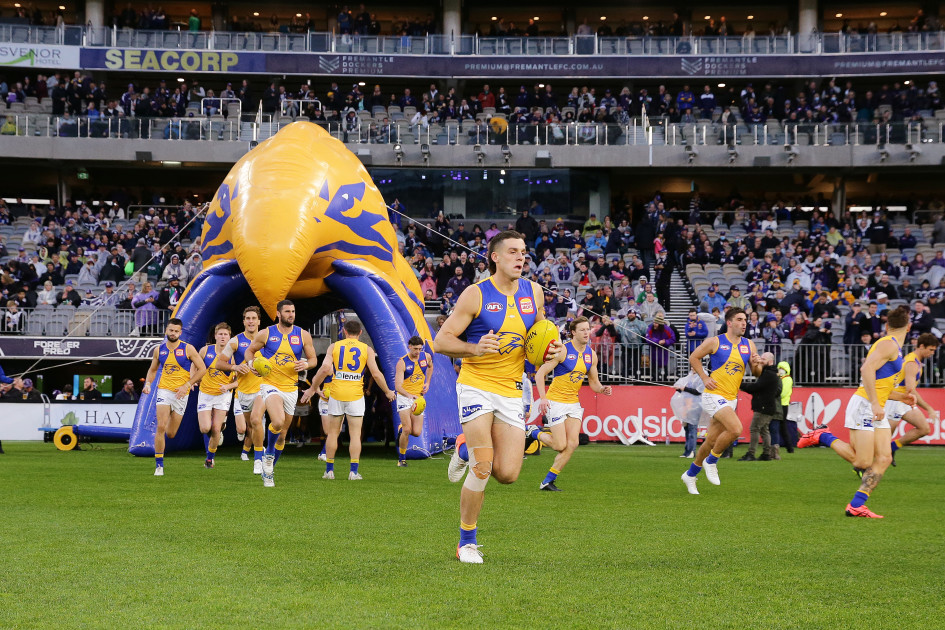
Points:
x=473, y=45
x=212, y=128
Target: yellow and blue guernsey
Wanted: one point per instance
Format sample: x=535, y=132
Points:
x=887, y=376
x=415, y=373
x=510, y=317
x=213, y=379
x=901, y=387
x=569, y=375
x=727, y=366
x=349, y=358
x=248, y=383
x=174, y=366
x=283, y=350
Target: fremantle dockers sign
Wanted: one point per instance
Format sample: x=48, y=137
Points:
x=80, y=348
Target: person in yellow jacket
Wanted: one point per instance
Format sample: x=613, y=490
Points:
x=783, y=431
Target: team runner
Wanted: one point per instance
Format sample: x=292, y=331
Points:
x=413, y=374
x=897, y=410
x=248, y=384
x=215, y=394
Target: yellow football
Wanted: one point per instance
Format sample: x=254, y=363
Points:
x=326, y=391
x=538, y=340
x=262, y=366
x=419, y=404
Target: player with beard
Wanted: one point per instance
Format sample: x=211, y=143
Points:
x=248, y=384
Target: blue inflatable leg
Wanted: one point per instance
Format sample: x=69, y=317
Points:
x=389, y=324
x=208, y=301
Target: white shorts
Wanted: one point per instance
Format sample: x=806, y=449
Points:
x=859, y=416
x=350, y=408
x=245, y=402
x=558, y=411
x=288, y=398
x=475, y=402
x=168, y=398
x=322, y=407
x=895, y=410
x=404, y=403
x=208, y=401
x=714, y=403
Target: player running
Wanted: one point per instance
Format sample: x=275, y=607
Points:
x=180, y=369
x=869, y=449
x=284, y=344
x=561, y=405
x=897, y=410
x=730, y=355
x=494, y=315
x=346, y=360
x=413, y=374
x=215, y=394
x=248, y=384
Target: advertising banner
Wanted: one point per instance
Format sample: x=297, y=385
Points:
x=491, y=66
x=40, y=56
x=78, y=348
x=23, y=421
x=644, y=411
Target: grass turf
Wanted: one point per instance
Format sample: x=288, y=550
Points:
x=92, y=539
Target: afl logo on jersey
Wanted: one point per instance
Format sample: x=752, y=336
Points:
x=244, y=344
x=493, y=307
x=526, y=306
x=724, y=347
x=274, y=338
x=572, y=357
x=295, y=340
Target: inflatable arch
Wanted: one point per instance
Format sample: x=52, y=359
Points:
x=298, y=217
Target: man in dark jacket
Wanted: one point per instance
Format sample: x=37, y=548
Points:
x=765, y=403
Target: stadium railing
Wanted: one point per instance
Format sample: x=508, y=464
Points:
x=473, y=45
x=211, y=128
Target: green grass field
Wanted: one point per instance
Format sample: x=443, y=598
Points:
x=91, y=539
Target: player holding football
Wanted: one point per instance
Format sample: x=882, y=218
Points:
x=345, y=360
x=412, y=377
x=215, y=394
x=730, y=356
x=495, y=316
x=248, y=384
x=869, y=449
x=897, y=410
x=284, y=344
x=180, y=369
x=561, y=405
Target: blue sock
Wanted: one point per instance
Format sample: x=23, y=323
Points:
x=258, y=453
x=206, y=442
x=895, y=445
x=278, y=453
x=467, y=534
x=159, y=460
x=463, y=452
x=552, y=475
x=712, y=458
x=859, y=499
x=324, y=448
x=271, y=442
x=354, y=466
x=330, y=465
x=210, y=454
x=827, y=438
x=533, y=434
x=693, y=470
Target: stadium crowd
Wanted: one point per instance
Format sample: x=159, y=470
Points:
x=799, y=274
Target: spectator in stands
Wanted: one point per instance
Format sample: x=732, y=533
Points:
x=145, y=305
x=48, y=295
x=696, y=330
x=12, y=318
x=69, y=295
x=712, y=299
x=854, y=324
x=175, y=269
x=170, y=295
x=449, y=301
x=754, y=328
x=922, y=320
x=90, y=392
x=815, y=348
x=29, y=392
x=458, y=282
x=660, y=337
x=127, y=392
x=882, y=303
x=650, y=309
x=88, y=274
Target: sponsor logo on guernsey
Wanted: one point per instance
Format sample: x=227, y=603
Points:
x=744, y=349
x=423, y=362
x=347, y=376
x=493, y=307
x=179, y=352
x=526, y=305
x=587, y=358
x=470, y=410
x=295, y=340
